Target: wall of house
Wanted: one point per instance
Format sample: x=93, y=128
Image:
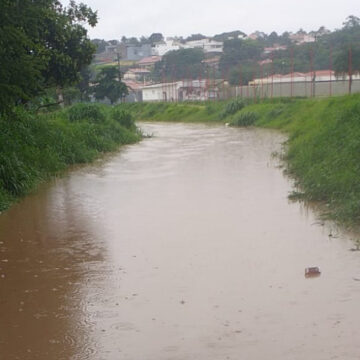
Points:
x=163, y=48
x=161, y=92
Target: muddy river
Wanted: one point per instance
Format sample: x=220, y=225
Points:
x=184, y=246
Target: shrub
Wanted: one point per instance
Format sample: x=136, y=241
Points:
x=123, y=117
x=88, y=112
x=245, y=119
x=232, y=107
x=274, y=113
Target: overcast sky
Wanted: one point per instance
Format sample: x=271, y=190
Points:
x=209, y=17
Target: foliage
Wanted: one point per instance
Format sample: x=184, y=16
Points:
x=195, y=37
x=242, y=74
x=83, y=84
x=36, y=147
x=93, y=113
x=100, y=45
x=229, y=35
x=108, y=85
x=155, y=37
x=123, y=117
x=70, y=95
x=323, y=150
x=246, y=118
x=232, y=107
x=347, y=61
x=238, y=50
x=186, y=112
x=180, y=64
x=42, y=44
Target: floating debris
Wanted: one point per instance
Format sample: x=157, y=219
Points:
x=312, y=271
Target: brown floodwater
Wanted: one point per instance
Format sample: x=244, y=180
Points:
x=183, y=246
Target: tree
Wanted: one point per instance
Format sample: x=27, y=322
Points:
x=237, y=51
x=273, y=38
x=241, y=74
x=100, y=45
x=301, y=31
x=108, y=85
x=229, y=35
x=84, y=84
x=42, y=44
x=156, y=37
x=351, y=22
x=194, y=37
x=180, y=64
x=347, y=62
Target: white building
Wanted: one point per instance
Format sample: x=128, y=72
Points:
x=208, y=45
x=160, y=92
x=302, y=38
x=161, y=48
x=136, y=74
x=185, y=90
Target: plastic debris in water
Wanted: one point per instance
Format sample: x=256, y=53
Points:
x=312, y=271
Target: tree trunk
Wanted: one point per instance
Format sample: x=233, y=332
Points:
x=60, y=96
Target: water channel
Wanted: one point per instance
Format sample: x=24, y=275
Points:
x=184, y=246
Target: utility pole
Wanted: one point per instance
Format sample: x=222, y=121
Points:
x=119, y=68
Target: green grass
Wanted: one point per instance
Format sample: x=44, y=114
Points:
x=34, y=148
x=323, y=150
x=323, y=147
x=184, y=112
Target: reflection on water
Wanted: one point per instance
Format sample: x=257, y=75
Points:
x=181, y=247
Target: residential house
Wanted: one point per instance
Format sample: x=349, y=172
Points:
x=208, y=45
x=148, y=62
x=185, y=90
x=137, y=74
x=135, y=90
x=301, y=38
x=163, y=47
x=275, y=47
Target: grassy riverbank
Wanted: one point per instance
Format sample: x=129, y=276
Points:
x=35, y=147
x=323, y=150
x=184, y=112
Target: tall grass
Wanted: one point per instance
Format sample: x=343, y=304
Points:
x=35, y=147
x=184, y=112
x=323, y=150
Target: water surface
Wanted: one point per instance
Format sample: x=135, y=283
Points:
x=183, y=246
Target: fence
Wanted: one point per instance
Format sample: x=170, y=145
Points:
x=302, y=89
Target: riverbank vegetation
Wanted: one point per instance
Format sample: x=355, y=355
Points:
x=323, y=148
x=45, y=51
x=323, y=152
x=36, y=147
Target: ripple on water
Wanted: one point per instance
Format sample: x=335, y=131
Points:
x=123, y=326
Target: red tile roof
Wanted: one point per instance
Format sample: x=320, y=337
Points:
x=149, y=60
